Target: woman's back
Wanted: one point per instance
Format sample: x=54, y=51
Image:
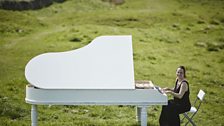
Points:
x=184, y=102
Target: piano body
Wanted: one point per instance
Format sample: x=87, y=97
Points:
x=100, y=73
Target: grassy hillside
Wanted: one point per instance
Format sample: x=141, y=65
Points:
x=165, y=35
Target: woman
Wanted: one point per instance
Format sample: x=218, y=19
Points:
x=179, y=104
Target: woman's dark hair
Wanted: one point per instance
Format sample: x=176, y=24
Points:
x=183, y=68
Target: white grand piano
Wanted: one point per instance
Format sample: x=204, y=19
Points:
x=100, y=73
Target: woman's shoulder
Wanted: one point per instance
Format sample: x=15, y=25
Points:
x=185, y=85
x=185, y=81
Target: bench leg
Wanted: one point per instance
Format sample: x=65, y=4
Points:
x=143, y=116
x=34, y=115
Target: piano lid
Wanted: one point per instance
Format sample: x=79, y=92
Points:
x=105, y=63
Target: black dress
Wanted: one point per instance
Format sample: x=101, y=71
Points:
x=170, y=113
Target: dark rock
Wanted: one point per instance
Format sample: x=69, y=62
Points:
x=26, y=5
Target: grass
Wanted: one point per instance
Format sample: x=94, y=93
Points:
x=165, y=35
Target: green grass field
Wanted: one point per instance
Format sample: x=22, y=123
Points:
x=165, y=34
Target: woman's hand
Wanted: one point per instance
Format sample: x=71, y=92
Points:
x=168, y=91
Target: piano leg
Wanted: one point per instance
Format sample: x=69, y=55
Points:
x=138, y=114
x=34, y=115
x=141, y=115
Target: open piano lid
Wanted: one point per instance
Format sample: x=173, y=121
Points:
x=105, y=63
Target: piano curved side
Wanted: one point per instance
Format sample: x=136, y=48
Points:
x=105, y=63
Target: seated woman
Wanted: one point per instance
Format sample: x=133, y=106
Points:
x=179, y=104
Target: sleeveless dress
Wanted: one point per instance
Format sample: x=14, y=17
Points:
x=170, y=113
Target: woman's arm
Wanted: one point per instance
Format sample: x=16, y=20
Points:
x=179, y=95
